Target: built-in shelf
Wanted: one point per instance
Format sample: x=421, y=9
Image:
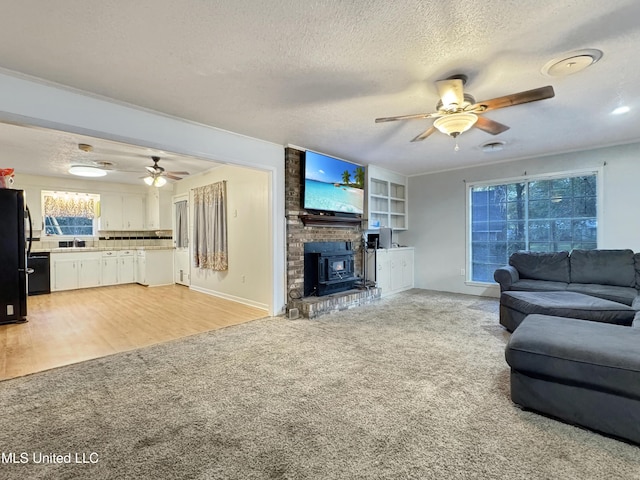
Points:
x=386, y=199
x=330, y=221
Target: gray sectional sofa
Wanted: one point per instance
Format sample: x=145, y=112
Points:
x=609, y=274
x=574, y=352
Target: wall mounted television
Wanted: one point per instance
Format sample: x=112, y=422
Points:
x=332, y=185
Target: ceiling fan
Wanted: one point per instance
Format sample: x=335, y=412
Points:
x=156, y=174
x=456, y=111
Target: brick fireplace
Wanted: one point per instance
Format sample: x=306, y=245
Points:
x=299, y=234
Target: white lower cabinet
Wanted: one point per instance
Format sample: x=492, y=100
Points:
x=391, y=269
x=154, y=267
x=71, y=270
x=75, y=270
x=126, y=266
x=141, y=267
x=64, y=273
x=109, y=268
x=89, y=271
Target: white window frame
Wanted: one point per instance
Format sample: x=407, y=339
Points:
x=598, y=172
x=62, y=237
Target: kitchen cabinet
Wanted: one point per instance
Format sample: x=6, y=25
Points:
x=122, y=212
x=33, y=196
x=89, y=271
x=126, y=266
x=386, y=202
x=141, y=267
x=133, y=212
x=392, y=269
x=154, y=267
x=159, y=210
x=75, y=270
x=110, y=212
x=109, y=268
x=64, y=274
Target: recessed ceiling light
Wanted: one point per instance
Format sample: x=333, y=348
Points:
x=86, y=171
x=620, y=110
x=571, y=63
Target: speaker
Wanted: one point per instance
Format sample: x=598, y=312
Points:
x=385, y=240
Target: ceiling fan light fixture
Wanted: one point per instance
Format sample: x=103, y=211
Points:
x=155, y=181
x=456, y=123
x=87, y=171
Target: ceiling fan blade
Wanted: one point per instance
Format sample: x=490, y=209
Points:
x=424, y=134
x=490, y=126
x=408, y=117
x=534, y=95
x=178, y=173
x=151, y=170
x=172, y=177
x=451, y=92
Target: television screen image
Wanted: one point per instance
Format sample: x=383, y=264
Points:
x=332, y=185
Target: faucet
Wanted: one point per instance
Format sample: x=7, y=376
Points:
x=76, y=241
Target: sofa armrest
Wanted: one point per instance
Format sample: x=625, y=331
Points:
x=636, y=306
x=506, y=276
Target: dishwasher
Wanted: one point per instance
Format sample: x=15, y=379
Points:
x=40, y=280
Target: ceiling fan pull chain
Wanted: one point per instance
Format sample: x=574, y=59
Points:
x=457, y=147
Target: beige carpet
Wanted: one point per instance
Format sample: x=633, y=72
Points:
x=412, y=387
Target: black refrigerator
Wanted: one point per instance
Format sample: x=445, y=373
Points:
x=13, y=256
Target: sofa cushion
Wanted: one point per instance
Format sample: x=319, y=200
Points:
x=637, y=262
x=553, y=266
x=605, y=357
x=624, y=295
x=605, y=267
x=568, y=304
x=528, y=285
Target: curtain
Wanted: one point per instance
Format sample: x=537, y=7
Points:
x=182, y=224
x=70, y=206
x=210, y=226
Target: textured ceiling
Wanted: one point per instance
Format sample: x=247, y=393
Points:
x=317, y=73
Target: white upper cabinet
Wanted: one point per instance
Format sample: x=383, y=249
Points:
x=159, y=208
x=122, y=212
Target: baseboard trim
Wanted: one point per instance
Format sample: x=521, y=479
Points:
x=233, y=298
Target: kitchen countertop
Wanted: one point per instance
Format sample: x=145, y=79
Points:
x=97, y=249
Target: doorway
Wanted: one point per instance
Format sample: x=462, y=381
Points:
x=182, y=266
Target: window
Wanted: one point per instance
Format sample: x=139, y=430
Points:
x=541, y=215
x=70, y=213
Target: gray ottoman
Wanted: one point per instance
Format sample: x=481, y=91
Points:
x=585, y=373
x=516, y=305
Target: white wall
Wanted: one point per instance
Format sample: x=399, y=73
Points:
x=249, y=236
x=27, y=101
x=438, y=214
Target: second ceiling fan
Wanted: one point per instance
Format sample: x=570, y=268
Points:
x=457, y=112
x=157, y=173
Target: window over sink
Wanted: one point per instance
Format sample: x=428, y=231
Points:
x=70, y=213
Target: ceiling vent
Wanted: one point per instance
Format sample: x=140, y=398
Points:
x=491, y=147
x=571, y=63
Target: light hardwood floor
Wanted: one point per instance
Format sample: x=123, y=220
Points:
x=77, y=325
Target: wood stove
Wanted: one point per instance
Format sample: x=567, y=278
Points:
x=329, y=267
